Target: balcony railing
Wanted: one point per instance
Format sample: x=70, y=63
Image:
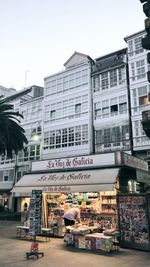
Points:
x=110, y=147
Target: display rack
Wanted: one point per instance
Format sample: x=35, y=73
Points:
x=35, y=222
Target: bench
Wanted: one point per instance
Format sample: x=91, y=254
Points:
x=23, y=231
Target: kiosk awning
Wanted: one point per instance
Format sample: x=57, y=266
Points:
x=143, y=176
x=76, y=181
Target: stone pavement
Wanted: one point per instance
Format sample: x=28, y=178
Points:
x=57, y=254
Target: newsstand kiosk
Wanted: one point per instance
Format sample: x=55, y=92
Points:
x=134, y=220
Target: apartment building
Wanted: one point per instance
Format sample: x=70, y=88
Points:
x=29, y=103
x=67, y=122
x=57, y=120
x=4, y=92
x=112, y=125
x=91, y=107
x=139, y=91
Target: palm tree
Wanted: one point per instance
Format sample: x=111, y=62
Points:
x=12, y=137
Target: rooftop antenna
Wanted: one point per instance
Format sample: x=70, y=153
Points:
x=26, y=77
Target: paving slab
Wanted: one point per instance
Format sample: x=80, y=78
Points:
x=57, y=254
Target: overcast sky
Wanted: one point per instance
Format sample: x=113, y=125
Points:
x=38, y=36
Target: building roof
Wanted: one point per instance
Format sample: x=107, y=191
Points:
x=77, y=58
x=133, y=35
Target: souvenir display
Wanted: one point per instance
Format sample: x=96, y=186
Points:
x=35, y=212
x=97, y=209
x=133, y=221
x=88, y=238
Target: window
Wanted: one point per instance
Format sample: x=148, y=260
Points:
x=78, y=78
x=105, y=112
x=132, y=72
x=65, y=82
x=84, y=76
x=78, y=109
x=59, y=85
x=5, y=178
x=36, y=132
x=134, y=93
x=136, y=127
x=105, y=108
x=140, y=66
x=99, y=137
x=53, y=114
x=113, y=106
x=58, y=138
x=96, y=83
x=143, y=100
x=138, y=45
x=122, y=104
x=113, y=101
x=142, y=91
x=71, y=136
x=113, y=78
x=64, y=137
x=32, y=152
x=84, y=134
x=37, y=153
x=130, y=48
x=107, y=135
x=143, y=97
x=46, y=140
x=104, y=80
x=97, y=110
x=11, y=175
x=125, y=132
x=26, y=154
x=53, y=87
x=121, y=75
x=115, y=134
x=122, y=99
x=52, y=138
x=114, y=110
x=123, y=108
x=105, y=103
x=98, y=113
x=78, y=135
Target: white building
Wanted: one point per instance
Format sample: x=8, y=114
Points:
x=111, y=103
x=58, y=124
x=4, y=92
x=139, y=89
x=91, y=107
x=67, y=125
x=29, y=103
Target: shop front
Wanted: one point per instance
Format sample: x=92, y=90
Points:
x=4, y=199
x=90, y=182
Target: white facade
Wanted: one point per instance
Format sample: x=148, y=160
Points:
x=29, y=104
x=110, y=103
x=139, y=89
x=67, y=128
x=83, y=110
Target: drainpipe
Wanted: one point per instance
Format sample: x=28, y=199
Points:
x=91, y=119
x=129, y=105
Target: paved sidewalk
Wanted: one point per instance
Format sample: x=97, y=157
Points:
x=57, y=254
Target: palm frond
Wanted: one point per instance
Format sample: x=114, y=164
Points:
x=12, y=135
